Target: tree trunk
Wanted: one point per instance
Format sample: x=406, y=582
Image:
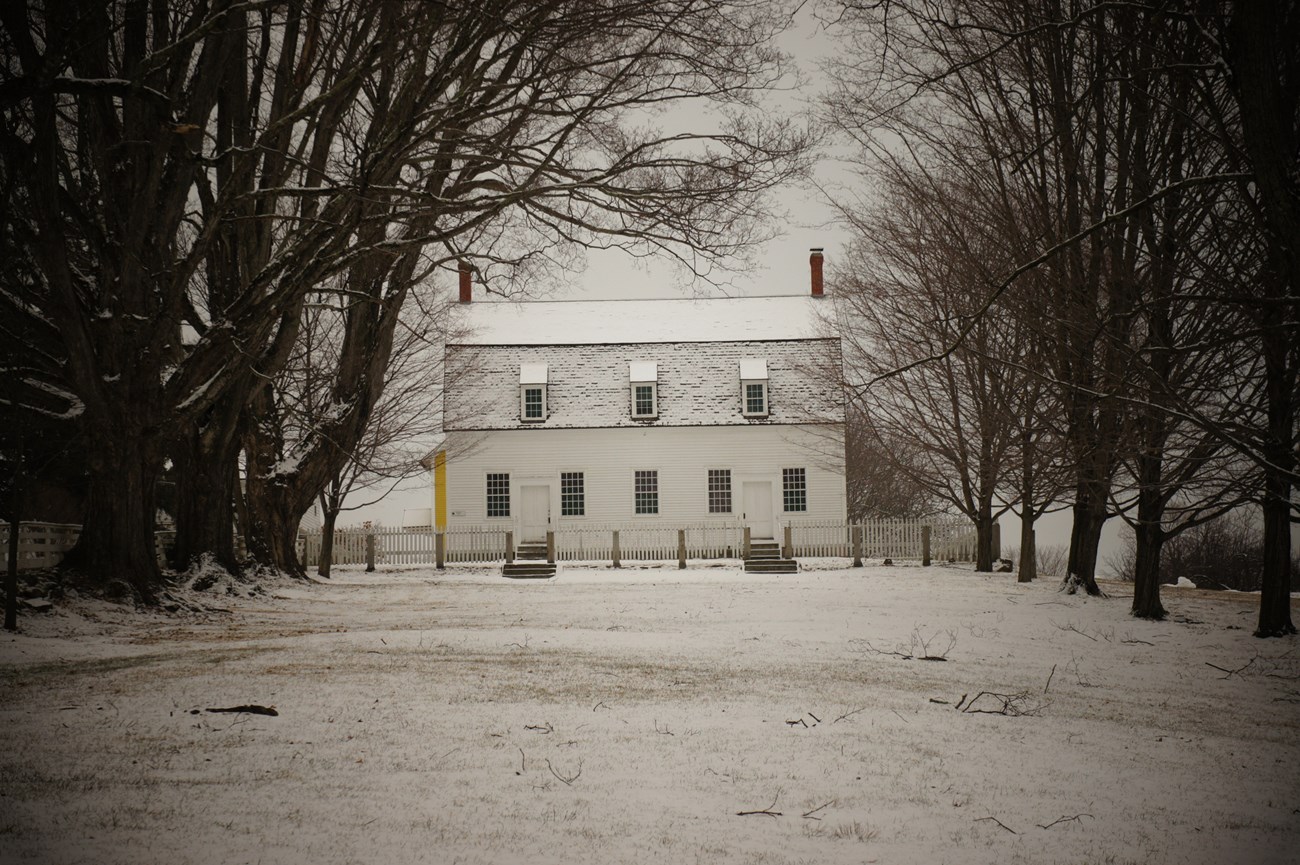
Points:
x=1085, y=537
x=1028, y=570
x=327, y=541
x=117, y=535
x=1150, y=540
x=273, y=526
x=984, y=541
x=1275, y=589
x=11, y=571
x=206, y=466
x=1279, y=448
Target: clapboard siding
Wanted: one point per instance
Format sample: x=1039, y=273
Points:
x=682, y=456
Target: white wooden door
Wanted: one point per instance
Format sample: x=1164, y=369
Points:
x=536, y=512
x=758, y=508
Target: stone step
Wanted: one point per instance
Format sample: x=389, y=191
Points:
x=771, y=566
x=529, y=571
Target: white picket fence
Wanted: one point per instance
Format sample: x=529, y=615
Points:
x=647, y=542
x=409, y=546
x=948, y=540
x=42, y=545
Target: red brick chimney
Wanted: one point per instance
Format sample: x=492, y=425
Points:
x=466, y=277
x=815, y=262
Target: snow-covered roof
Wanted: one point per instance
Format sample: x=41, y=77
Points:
x=697, y=384
x=602, y=322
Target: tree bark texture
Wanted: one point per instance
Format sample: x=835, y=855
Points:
x=117, y=535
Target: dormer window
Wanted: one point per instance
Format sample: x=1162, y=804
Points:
x=643, y=379
x=532, y=392
x=753, y=387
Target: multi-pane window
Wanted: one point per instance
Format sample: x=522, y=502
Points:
x=572, y=500
x=646, y=488
x=719, y=491
x=498, y=495
x=643, y=400
x=794, y=489
x=533, y=409
x=755, y=398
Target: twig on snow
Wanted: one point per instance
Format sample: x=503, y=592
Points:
x=1230, y=673
x=1075, y=818
x=808, y=815
x=665, y=731
x=999, y=822
x=544, y=728
x=1013, y=705
x=568, y=782
x=1049, y=679
x=849, y=714
x=768, y=810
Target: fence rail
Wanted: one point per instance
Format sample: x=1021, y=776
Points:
x=923, y=540
x=41, y=545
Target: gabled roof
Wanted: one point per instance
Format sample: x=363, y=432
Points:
x=606, y=322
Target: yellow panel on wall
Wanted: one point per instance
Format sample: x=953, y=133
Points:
x=440, y=489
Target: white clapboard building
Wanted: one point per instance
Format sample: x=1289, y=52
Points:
x=669, y=412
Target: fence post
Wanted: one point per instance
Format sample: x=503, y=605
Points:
x=681, y=549
x=745, y=551
x=440, y=550
x=925, y=545
x=787, y=549
x=617, y=563
x=510, y=547
x=857, y=546
x=550, y=548
x=997, y=542
x=370, y=551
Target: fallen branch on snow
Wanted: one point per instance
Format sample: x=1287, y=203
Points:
x=999, y=822
x=250, y=709
x=1013, y=705
x=1075, y=818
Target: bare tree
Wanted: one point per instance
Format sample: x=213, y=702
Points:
x=913, y=282
x=204, y=166
x=1106, y=127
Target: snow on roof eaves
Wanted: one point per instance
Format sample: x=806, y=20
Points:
x=616, y=322
x=697, y=383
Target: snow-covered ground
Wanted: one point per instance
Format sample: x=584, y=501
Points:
x=628, y=716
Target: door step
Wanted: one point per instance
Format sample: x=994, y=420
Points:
x=528, y=570
x=765, y=558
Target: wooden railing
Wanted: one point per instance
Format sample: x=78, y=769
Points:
x=40, y=545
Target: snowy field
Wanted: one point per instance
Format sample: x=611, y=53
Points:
x=629, y=716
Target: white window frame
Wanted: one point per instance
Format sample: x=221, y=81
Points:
x=708, y=491
x=753, y=372
x=654, y=400
x=487, y=478
x=523, y=402
x=791, y=491
x=658, y=499
x=643, y=373
x=744, y=398
x=582, y=481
